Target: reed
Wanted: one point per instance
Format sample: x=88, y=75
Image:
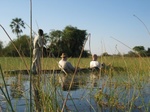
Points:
x=125, y=76
x=123, y=89
x=6, y=94
x=123, y=83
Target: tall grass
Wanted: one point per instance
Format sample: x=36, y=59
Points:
x=6, y=94
x=122, y=82
x=125, y=87
x=122, y=85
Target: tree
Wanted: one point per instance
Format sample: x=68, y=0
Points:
x=70, y=41
x=131, y=54
x=55, y=36
x=105, y=54
x=140, y=50
x=22, y=44
x=1, y=48
x=148, y=52
x=55, y=42
x=73, y=40
x=16, y=26
x=46, y=36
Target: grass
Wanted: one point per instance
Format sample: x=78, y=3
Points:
x=130, y=63
x=126, y=88
x=16, y=63
x=121, y=86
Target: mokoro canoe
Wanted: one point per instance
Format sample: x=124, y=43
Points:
x=26, y=72
x=51, y=71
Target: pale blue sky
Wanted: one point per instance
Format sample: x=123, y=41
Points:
x=102, y=18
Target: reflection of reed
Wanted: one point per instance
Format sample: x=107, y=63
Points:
x=17, y=87
x=36, y=89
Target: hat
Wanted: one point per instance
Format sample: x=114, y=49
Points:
x=63, y=55
x=94, y=56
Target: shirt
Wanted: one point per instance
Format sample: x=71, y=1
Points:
x=67, y=66
x=94, y=64
x=38, y=42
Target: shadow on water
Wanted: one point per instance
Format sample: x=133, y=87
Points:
x=90, y=92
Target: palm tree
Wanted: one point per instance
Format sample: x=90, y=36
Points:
x=16, y=25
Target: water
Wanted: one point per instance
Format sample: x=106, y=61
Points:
x=81, y=96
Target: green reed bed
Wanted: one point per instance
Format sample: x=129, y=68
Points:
x=16, y=63
x=122, y=83
x=5, y=93
x=126, y=90
x=45, y=97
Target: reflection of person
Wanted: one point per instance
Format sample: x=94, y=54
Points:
x=94, y=79
x=65, y=65
x=94, y=63
x=38, y=43
x=65, y=82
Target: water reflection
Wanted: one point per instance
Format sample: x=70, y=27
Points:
x=16, y=87
x=95, y=77
x=67, y=82
x=114, y=88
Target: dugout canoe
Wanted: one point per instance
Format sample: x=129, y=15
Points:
x=26, y=72
x=52, y=71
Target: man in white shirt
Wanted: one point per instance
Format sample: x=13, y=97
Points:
x=38, y=43
x=65, y=65
x=94, y=63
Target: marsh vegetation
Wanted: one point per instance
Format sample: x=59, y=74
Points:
x=123, y=85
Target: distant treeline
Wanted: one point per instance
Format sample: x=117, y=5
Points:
x=71, y=41
x=71, y=46
x=136, y=52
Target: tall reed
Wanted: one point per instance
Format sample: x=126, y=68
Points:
x=124, y=90
x=7, y=97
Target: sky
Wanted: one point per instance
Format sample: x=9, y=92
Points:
x=113, y=27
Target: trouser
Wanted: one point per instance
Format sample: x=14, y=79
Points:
x=36, y=64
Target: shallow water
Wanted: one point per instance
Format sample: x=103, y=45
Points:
x=81, y=96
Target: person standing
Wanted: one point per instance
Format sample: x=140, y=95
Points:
x=38, y=43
